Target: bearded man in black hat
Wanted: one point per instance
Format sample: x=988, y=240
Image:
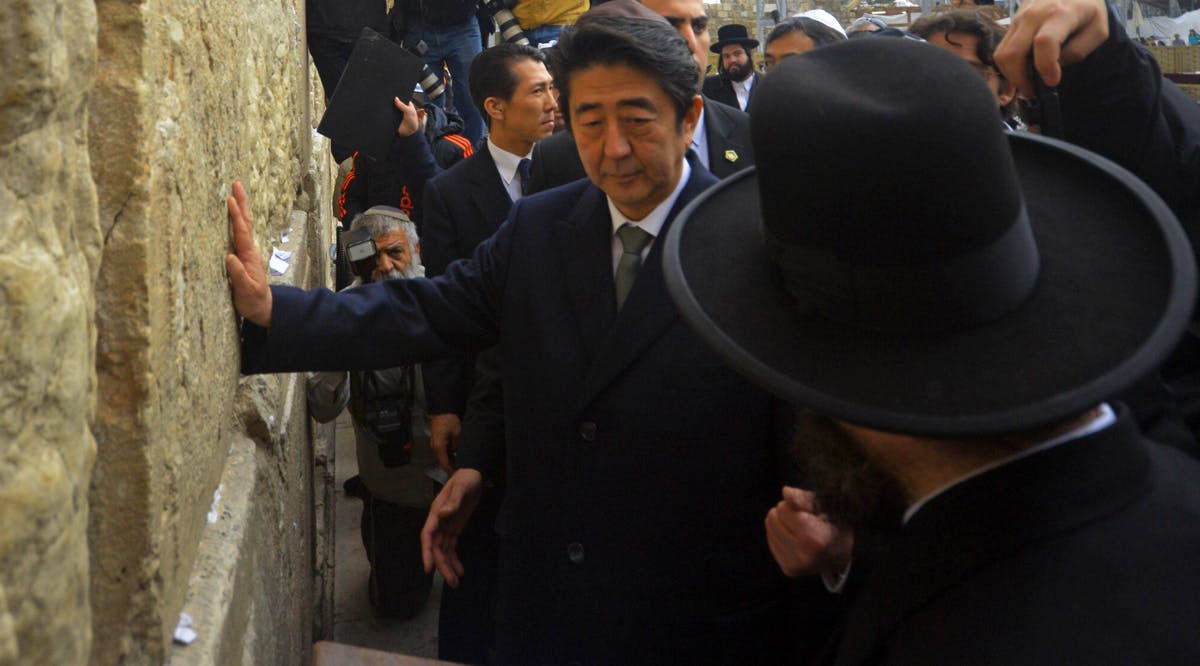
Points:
x=953, y=339
x=737, y=76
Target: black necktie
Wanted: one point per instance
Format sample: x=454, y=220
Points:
x=523, y=173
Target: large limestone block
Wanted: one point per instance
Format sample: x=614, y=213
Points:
x=187, y=96
x=49, y=254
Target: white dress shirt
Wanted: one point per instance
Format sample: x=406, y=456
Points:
x=651, y=224
x=742, y=90
x=700, y=140
x=506, y=165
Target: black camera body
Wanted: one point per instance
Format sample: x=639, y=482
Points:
x=383, y=406
x=360, y=250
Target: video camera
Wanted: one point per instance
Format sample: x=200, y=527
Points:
x=359, y=248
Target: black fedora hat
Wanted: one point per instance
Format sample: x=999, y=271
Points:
x=734, y=33
x=996, y=282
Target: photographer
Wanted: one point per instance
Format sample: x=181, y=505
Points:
x=391, y=481
x=450, y=34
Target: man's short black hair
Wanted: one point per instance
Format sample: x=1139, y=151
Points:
x=819, y=33
x=653, y=47
x=492, y=73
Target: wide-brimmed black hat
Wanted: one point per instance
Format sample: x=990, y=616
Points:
x=980, y=283
x=734, y=33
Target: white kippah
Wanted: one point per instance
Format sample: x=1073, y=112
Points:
x=823, y=17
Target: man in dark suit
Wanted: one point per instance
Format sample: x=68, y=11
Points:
x=734, y=83
x=723, y=147
x=955, y=356
x=638, y=466
x=465, y=205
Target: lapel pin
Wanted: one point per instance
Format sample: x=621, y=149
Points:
x=731, y=155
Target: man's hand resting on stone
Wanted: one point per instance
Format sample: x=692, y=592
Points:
x=245, y=268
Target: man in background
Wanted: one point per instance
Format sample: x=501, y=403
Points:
x=737, y=76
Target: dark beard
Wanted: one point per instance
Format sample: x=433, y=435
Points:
x=850, y=490
x=742, y=75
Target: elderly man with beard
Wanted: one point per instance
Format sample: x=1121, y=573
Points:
x=736, y=80
x=955, y=355
x=391, y=478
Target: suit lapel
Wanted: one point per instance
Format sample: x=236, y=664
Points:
x=585, y=245
x=718, y=130
x=491, y=197
x=985, y=520
x=648, y=310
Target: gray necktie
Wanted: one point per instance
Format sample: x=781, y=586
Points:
x=634, y=240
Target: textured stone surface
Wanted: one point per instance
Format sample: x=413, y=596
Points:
x=49, y=254
x=189, y=96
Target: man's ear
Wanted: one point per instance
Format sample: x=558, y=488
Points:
x=494, y=107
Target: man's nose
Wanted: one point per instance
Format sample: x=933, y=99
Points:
x=615, y=144
x=689, y=36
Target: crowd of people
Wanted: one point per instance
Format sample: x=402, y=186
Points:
x=697, y=395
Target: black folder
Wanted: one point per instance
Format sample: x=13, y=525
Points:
x=361, y=113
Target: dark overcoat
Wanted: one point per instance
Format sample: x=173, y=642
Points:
x=1081, y=554
x=639, y=466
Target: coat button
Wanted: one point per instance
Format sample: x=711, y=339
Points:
x=587, y=430
x=575, y=553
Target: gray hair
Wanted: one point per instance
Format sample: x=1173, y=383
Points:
x=382, y=220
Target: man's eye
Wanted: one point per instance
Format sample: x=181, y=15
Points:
x=700, y=24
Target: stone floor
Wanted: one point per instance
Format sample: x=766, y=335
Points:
x=354, y=621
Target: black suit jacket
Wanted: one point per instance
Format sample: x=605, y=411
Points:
x=1081, y=554
x=556, y=160
x=464, y=205
x=720, y=88
x=639, y=466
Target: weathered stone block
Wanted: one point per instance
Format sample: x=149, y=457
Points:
x=49, y=253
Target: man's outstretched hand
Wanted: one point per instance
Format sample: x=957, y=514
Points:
x=1050, y=34
x=245, y=268
x=447, y=517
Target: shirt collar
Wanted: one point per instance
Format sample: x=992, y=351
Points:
x=1102, y=421
x=700, y=139
x=506, y=162
x=745, y=84
x=654, y=221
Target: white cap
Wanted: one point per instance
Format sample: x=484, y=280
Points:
x=824, y=18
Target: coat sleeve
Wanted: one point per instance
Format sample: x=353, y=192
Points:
x=1157, y=134
x=385, y=324
x=481, y=443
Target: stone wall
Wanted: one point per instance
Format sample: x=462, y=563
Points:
x=140, y=476
x=49, y=255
